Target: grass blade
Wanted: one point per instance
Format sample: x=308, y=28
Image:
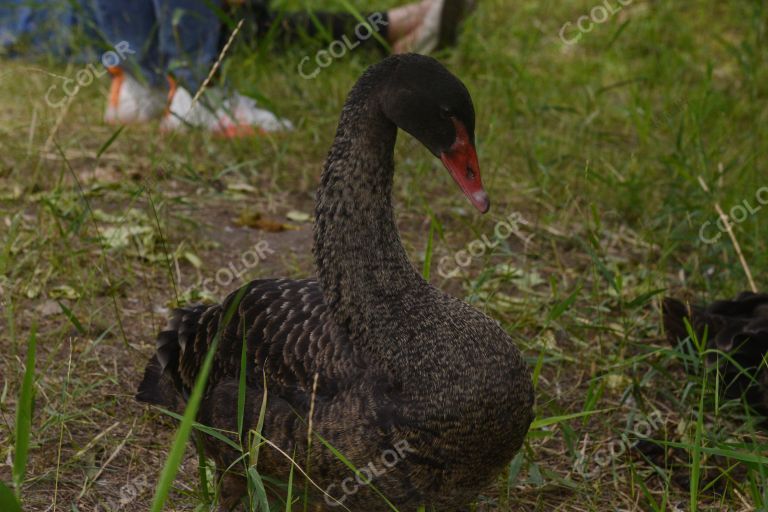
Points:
x=544, y=422
x=202, y=470
x=241, y=389
x=697, y=445
x=24, y=414
x=359, y=17
x=71, y=317
x=8, y=502
x=561, y=307
x=205, y=429
x=354, y=469
x=5, y=254
x=182, y=435
x=289, y=498
x=109, y=142
x=260, y=503
x=750, y=458
x=254, y=447
x=640, y=300
x=428, y=252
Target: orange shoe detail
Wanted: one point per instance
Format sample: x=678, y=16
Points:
x=237, y=131
x=118, y=77
x=172, y=86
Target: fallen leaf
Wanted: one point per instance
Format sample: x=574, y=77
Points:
x=63, y=292
x=193, y=259
x=241, y=187
x=548, y=341
x=257, y=221
x=32, y=289
x=10, y=192
x=119, y=237
x=615, y=381
x=297, y=216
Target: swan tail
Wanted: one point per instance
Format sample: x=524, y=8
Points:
x=678, y=316
x=164, y=383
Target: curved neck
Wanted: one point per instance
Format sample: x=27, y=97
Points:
x=362, y=265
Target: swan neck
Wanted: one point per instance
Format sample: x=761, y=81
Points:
x=362, y=265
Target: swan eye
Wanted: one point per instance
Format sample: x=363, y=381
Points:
x=445, y=112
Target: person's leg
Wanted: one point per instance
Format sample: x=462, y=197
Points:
x=437, y=27
x=37, y=27
x=405, y=19
x=132, y=25
x=14, y=23
x=129, y=29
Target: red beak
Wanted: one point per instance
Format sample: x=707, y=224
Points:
x=461, y=161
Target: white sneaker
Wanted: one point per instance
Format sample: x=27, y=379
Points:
x=130, y=101
x=234, y=115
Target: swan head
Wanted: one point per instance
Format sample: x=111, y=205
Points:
x=426, y=100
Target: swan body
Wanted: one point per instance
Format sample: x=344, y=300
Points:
x=416, y=388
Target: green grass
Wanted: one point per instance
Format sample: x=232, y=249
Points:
x=600, y=146
x=24, y=415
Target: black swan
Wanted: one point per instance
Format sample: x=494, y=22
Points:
x=738, y=328
x=424, y=394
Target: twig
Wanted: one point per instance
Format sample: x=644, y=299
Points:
x=312, y=409
x=88, y=483
x=59, y=120
x=305, y=474
x=732, y=236
x=217, y=63
x=309, y=430
x=736, y=247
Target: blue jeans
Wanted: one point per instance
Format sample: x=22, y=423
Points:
x=154, y=37
x=46, y=28
x=180, y=37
